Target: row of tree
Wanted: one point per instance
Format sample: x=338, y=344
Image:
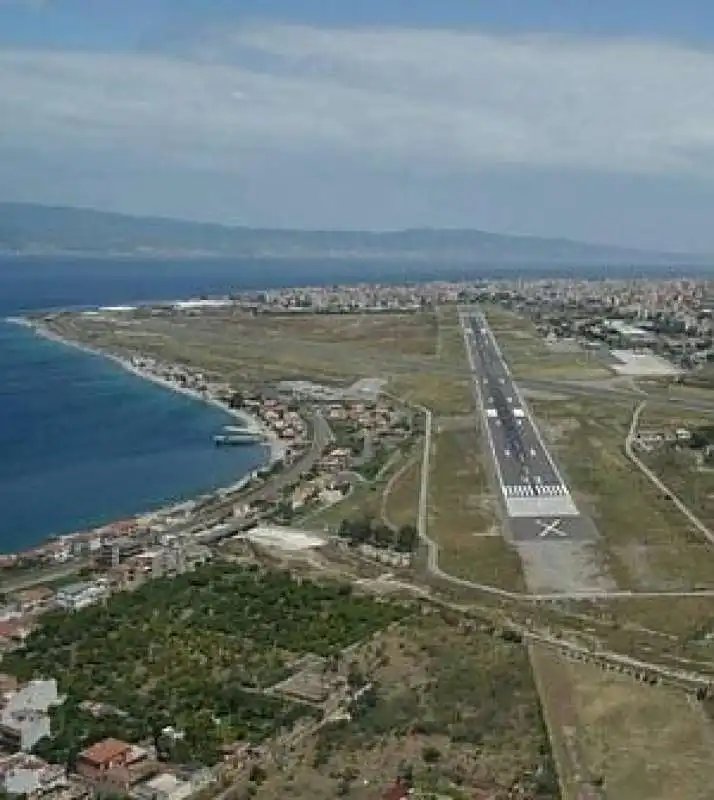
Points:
x=368, y=530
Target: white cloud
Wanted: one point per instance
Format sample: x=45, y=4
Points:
x=440, y=99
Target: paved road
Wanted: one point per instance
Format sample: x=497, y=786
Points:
x=537, y=499
x=591, y=389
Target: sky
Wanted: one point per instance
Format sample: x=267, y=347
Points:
x=588, y=119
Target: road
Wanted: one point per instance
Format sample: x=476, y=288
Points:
x=36, y=576
x=592, y=389
x=217, y=512
x=647, y=472
x=537, y=500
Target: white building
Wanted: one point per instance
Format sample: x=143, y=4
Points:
x=80, y=595
x=163, y=787
x=24, y=717
x=23, y=774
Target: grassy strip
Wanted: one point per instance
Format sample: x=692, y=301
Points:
x=646, y=542
x=463, y=516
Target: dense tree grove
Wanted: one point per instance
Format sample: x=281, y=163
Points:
x=367, y=530
x=187, y=652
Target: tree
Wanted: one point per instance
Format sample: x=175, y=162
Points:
x=430, y=755
x=407, y=539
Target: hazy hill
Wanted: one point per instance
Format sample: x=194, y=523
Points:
x=37, y=229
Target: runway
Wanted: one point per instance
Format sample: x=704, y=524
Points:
x=537, y=500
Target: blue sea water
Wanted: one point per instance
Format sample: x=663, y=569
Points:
x=81, y=441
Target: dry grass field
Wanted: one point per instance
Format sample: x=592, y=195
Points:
x=400, y=500
x=463, y=513
x=647, y=743
x=677, y=465
x=645, y=540
x=457, y=709
x=529, y=356
x=420, y=355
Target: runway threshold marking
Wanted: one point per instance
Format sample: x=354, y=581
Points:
x=551, y=528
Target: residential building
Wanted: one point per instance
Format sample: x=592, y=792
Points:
x=24, y=717
x=163, y=787
x=26, y=775
x=77, y=596
x=115, y=551
x=30, y=601
x=94, y=762
x=13, y=632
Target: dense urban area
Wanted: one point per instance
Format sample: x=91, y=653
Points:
x=481, y=538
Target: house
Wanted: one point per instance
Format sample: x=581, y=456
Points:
x=8, y=684
x=96, y=761
x=77, y=596
x=30, y=601
x=13, y=632
x=23, y=774
x=163, y=787
x=24, y=717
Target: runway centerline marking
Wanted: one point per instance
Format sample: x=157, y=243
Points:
x=551, y=528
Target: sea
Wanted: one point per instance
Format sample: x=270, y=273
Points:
x=82, y=442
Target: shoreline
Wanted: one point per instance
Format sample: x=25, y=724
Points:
x=271, y=444
x=251, y=422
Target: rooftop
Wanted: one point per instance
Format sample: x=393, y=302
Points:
x=105, y=751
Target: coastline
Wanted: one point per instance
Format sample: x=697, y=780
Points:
x=274, y=448
x=254, y=424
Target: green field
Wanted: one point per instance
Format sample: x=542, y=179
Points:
x=181, y=651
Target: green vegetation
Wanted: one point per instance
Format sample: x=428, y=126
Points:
x=183, y=651
x=366, y=530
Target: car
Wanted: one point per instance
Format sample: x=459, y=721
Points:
x=533, y=452
x=506, y=452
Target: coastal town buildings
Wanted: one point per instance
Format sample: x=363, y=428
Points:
x=25, y=775
x=636, y=327
x=24, y=714
x=76, y=596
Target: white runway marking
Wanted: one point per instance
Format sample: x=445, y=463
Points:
x=542, y=506
x=551, y=528
x=540, y=490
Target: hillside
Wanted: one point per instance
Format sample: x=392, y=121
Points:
x=35, y=229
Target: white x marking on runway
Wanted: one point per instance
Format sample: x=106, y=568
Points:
x=551, y=528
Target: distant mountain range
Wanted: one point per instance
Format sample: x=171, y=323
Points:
x=28, y=229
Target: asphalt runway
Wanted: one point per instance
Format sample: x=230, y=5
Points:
x=537, y=500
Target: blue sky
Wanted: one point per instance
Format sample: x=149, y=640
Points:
x=593, y=120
